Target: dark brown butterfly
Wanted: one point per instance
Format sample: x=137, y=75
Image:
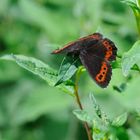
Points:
x=95, y=53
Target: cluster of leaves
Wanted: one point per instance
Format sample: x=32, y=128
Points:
x=102, y=125
x=135, y=5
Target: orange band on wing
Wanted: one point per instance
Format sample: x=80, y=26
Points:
x=109, y=49
x=101, y=76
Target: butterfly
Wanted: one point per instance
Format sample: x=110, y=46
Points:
x=95, y=53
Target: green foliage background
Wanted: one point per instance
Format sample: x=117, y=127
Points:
x=32, y=110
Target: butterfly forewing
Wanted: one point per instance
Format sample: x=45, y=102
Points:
x=80, y=44
x=111, y=50
x=104, y=48
x=97, y=50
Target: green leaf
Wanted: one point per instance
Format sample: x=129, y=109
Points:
x=120, y=120
x=131, y=58
x=120, y=88
x=39, y=68
x=132, y=4
x=35, y=66
x=98, y=110
x=82, y=115
x=67, y=70
x=116, y=64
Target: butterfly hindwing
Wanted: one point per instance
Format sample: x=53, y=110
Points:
x=99, y=69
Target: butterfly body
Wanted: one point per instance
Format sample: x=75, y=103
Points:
x=95, y=53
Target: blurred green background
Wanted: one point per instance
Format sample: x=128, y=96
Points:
x=29, y=108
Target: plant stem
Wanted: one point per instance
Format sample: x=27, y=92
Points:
x=138, y=3
x=137, y=15
x=136, y=12
x=79, y=103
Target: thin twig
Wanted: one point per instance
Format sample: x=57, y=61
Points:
x=80, y=105
x=137, y=17
x=138, y=3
